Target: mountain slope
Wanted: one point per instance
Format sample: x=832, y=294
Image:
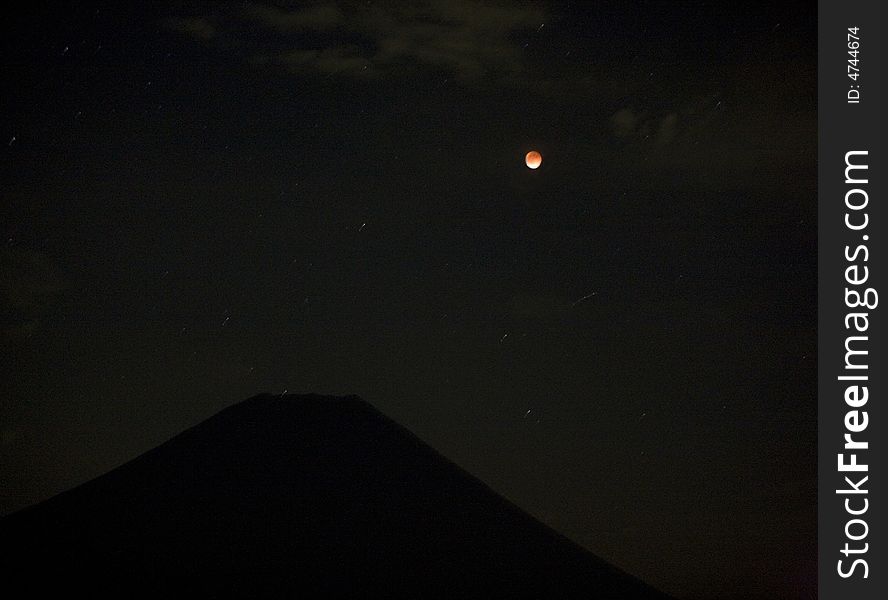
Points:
x=297, y=496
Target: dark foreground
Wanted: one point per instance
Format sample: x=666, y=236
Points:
x=296, y=496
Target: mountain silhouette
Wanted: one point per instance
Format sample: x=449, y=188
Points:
x=296, y=496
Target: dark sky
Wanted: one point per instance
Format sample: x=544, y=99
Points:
x=204, y=201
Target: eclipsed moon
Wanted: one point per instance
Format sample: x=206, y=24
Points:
x=533, y=159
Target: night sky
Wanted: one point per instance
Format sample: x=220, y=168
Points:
x=204, y=201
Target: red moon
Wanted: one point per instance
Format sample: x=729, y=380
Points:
x=533, y=159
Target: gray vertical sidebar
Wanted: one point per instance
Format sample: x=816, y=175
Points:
x=852, y=265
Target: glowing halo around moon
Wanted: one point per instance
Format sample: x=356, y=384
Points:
x=533, y=159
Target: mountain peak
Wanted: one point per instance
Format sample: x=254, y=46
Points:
x=290, y=494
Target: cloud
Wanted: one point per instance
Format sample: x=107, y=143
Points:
x=319, y=16
x=468, y=40
x=624, y=122
x=661, y=128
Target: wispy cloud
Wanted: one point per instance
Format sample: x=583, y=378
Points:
x=322, y=17
x=469, y=40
